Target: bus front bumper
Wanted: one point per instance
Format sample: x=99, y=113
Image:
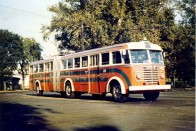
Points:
x=149, y=87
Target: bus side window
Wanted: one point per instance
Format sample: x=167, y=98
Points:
x=47, y=67
x=126, y=57
x=94, y=60
x=70, y=63
x=31, y=69
x=41, y=67
x=64, y=62
x=116, y=57
x=85, y=61
x=35, y=69
x=105, y=58
x=51, y=66
x=77, y=62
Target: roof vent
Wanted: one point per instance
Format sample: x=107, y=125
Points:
x=145, y=39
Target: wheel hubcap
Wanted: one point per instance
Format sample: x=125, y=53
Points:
x=37, y=89
x=117, y=92
x=68, y=90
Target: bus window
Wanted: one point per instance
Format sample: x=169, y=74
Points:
x=31, y=69
x=139, y=56
x=70, y=63
x=51, y=66
x=116, y=57
x=77, y=62
x=64, y=62
x=47, y=67
x=94, y=60
x=156, y=57
x=41, y=67
x=125, y=57
x=85, y=61
x=105, y=58
x=35, y=69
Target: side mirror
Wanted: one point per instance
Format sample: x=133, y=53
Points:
x=164, y=54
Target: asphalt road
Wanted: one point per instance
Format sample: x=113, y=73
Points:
x=24, y=111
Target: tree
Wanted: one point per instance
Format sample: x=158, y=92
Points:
x=96, y=23
x=10, y=52
x=178, y=41
x=167, y=36
x=16, y=51
x=185, y=56
x=104, y=22
x=185, y=39
x=31, y=51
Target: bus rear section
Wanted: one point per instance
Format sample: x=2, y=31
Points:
x=44, y=76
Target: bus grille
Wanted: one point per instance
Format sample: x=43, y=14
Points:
x=149, y=74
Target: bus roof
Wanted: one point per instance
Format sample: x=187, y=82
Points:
x=130, y=45
x=143, y=45
x=41, y=61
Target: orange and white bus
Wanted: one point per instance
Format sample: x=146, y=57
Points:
x=121, y=69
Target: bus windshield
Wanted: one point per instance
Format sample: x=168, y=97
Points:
x=156, y=57
x=141, y=56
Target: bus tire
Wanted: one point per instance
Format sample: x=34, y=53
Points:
x=117, y=94
x=68, y=90
x=151, y=96
x=38, y=91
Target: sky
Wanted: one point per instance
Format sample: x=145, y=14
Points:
x=25, y=18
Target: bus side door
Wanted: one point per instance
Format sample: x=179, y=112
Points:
x=94, y=86
x=56, y=74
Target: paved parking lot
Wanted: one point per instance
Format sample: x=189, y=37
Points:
x=26, y=111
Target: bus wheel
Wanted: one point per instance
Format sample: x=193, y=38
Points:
x=68, y=91
x=117, y=95
x=37, y=91
x=151, y=96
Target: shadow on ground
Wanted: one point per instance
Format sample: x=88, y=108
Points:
x=88, y=97
x=100, y=128
x=18, y=117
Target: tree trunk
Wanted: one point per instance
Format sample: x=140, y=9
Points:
x=23, y=75
x=4, y=86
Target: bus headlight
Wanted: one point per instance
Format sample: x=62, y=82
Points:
x=162, y=76
x=138, y=76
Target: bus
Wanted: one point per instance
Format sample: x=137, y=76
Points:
x=121, y=69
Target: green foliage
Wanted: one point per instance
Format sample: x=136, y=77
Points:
x=187, y=10
x=10, y=52
x=178, y=40
x=104, y=22
x=31, y=51
x=185, y=56
x=185, y=42
x=14, y=51
x=97, y=23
